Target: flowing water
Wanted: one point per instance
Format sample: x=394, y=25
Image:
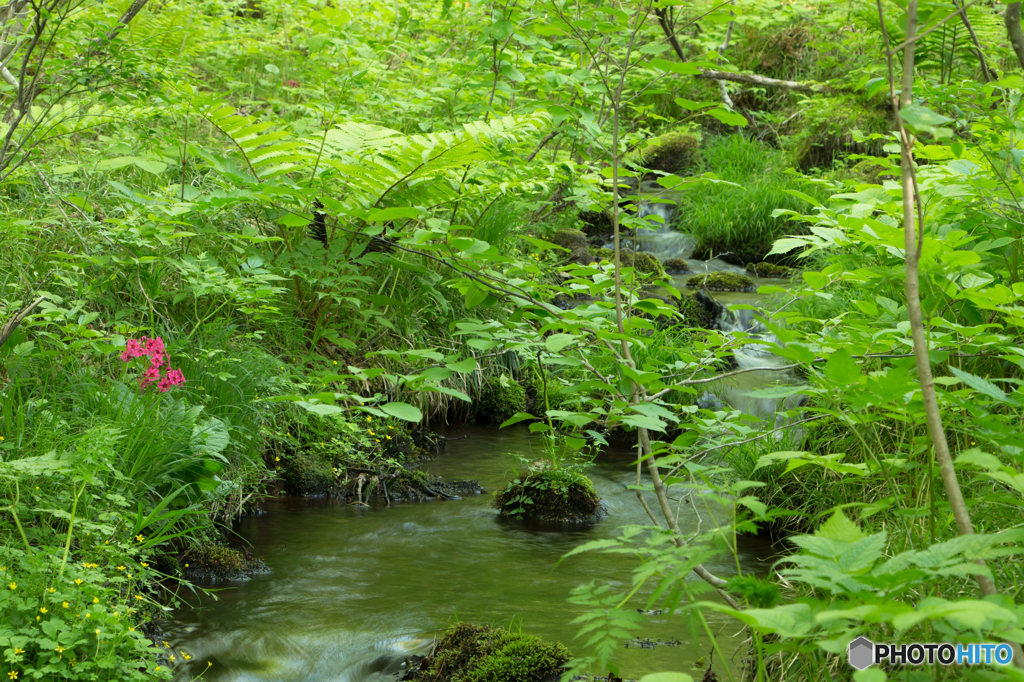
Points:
x=352, y=591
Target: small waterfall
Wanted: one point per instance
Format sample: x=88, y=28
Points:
x=664, y=242
x=755, y=355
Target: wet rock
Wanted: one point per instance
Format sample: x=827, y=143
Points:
x=710, y=401
x=709, y=304
x=569, y=239
x=648, y=643
x=721, y=281
x=482, y=652
x=674, y=153
x=212, y=564
x=677, y=266
x=307, y=474
x=581, y=256
x=644, y=263
x=765, y=269
x=561, y=496
x=596, y=224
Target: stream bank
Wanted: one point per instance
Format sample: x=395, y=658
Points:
x=353, y=591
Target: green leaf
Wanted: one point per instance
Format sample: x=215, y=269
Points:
x=467, y=365
x=841, y=370
x=838, y=527
x=981, y=385
x=516, y=418
x=729, y=118
x=392, y=213
x=875, y=85
x=403, y=411
x=922, y=120
x=319, y=408
x=556, y=342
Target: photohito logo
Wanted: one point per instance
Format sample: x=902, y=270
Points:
x=863, y=653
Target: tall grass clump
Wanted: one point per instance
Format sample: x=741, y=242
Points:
x=735, y=216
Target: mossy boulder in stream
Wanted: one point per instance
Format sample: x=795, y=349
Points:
x=500, y=398
x=695, y=313
x=645, y=263
x=675, y=153
x=721, y=281
x=308, y=474
x=219, y=563
x=677, y=266
x=481, y=653
x=562, y=495
x=764, y=269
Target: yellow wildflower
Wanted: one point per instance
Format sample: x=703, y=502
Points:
x=144, y=564
x=42, y=609
x=95, y=600
x=139, y=538
x=65, y=604
x=78, y=581
x=120, y=568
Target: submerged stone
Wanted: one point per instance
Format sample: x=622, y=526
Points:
x=677, y=266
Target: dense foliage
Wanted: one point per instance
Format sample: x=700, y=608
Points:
x=249, y=246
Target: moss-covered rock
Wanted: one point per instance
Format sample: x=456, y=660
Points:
x=826, y=130
x=481, y=653
x=645, y=263
x=721, y=281
x=769, y=270
x=695, y=314
x=674, y=153
x=596, y=223
x=561, y=495
x=500, y=398
x=307, y=474
x=219, y=563
x=677, y=266
x=569, y=239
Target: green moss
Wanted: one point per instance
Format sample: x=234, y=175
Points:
x=694, y=314
x=501, y=398
x=721, y=281
x=480, y=653
x=826, y=131
x=307, y=474
x=674, y=153
x=563, y=495
x=769, y=270
x=676, y=266
x=644, y=263
x=569, y=239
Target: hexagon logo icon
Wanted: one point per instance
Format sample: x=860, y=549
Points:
x=862, y=653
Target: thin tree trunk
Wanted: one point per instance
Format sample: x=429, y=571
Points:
x=986, y=75
x=913, y=224
x=1012, y=20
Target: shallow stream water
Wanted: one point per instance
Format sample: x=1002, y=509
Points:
x=352, y=590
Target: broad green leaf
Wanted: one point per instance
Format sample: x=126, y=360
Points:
x=838, y=527
x=729, y=118
x=392, y=213
x=556, y=342
x=841, y=369
x=403, y=411
x=981, y=385
x=666, y=677
x=920, y=120
x=467, y=365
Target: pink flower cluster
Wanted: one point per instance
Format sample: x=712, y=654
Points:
x=157, y=354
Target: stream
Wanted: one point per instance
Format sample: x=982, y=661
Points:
x=352, y=591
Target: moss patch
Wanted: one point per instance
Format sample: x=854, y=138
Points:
x=596, y=223
x=677, y=266
x=644, y=263
x=307, y=474
x=218, y=563
x=560, y=495
x=499, y=400
x=673, y=153
x=721, y=281
x=695, y=314
x=769, y=270
x=480, y=653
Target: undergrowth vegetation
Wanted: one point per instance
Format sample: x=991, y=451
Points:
x=263, y=247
